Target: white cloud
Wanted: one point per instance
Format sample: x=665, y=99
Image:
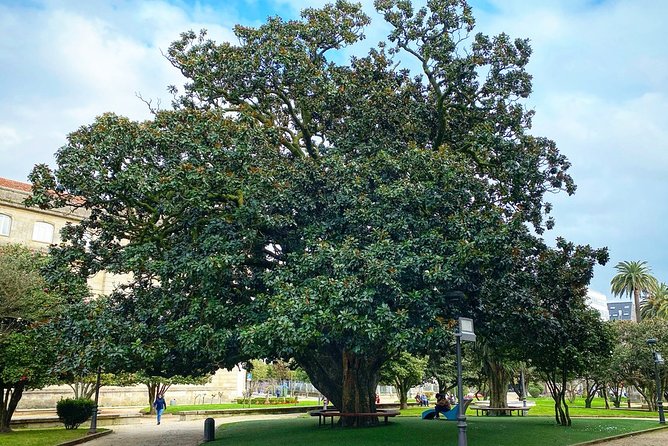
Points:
x=75, y=61
x=598, y=301
x=9, y=137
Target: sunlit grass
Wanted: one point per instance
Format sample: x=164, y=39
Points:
x=41, y=437
x=544, y=407
x=413, y=431
x=187, y=407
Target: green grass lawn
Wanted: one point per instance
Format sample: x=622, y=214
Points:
x=545, y=407
x=411, y=430
x=41, y=437
x=181, y=408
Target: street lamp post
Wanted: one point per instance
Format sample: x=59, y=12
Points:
x=464, y=333
x=523, y=390
x=93, y=421
x=658, y=360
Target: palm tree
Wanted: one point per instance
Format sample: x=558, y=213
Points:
x=632, y=278
x=656, y=302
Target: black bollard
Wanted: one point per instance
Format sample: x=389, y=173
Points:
x=209, y=429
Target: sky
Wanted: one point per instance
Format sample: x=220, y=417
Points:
x=600, y=71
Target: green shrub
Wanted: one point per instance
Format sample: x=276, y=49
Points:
x=74, y=412
x=535, y=390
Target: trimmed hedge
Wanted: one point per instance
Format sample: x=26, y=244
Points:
x=535, y=390
x=263, y=400
x=74, y=412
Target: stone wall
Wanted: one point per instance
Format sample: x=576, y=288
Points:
x=224, y=387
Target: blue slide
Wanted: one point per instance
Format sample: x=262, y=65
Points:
x=449, y=415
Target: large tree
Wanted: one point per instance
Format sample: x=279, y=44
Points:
x=291, y=206
x=632, y=278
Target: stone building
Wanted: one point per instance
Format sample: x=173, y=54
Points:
x=38, y=229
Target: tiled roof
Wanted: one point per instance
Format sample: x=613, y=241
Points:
x=13, y=184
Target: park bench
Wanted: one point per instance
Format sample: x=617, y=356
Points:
x=521, y=410
x=323, y=414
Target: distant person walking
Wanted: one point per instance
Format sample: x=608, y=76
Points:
x=160, y=406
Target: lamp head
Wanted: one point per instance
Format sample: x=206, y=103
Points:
x=466, y=332
x=652, y=341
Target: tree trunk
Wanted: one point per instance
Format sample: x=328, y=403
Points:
x=591, y=392
x=155, y=388
x=152, y=393
x=566, y=411
x=558, y=392
x=442, y=385
x=10, y=399
x=347, y=379
x=636, y=302
x=359, y=388
x=498, y=386
x=616, y=390
x=647, y=396
x=83, y=390
x=402, y=389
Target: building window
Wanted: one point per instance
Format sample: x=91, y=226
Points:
x=5, y=224
x=42, y=232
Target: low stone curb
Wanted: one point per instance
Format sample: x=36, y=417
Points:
x=53, y=421
x=617, y=437
x=87, y=438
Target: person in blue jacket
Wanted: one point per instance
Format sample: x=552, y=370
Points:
x=160, y=406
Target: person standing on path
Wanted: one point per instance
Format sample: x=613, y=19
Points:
x=160, y=406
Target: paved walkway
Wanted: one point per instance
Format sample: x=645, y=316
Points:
x=655, y=438
x=171, y=432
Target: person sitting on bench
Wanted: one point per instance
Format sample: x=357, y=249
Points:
x=442, y=405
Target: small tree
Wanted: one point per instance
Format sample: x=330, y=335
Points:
x=596, y=371
x=442, y=367
x=632, y=361
x=404, y=372
x=565, y=333
x=157, y=385
x=27, y=345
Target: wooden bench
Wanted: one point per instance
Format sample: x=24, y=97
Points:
x=331, y=413
x=322, y=414
x=521, y=410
